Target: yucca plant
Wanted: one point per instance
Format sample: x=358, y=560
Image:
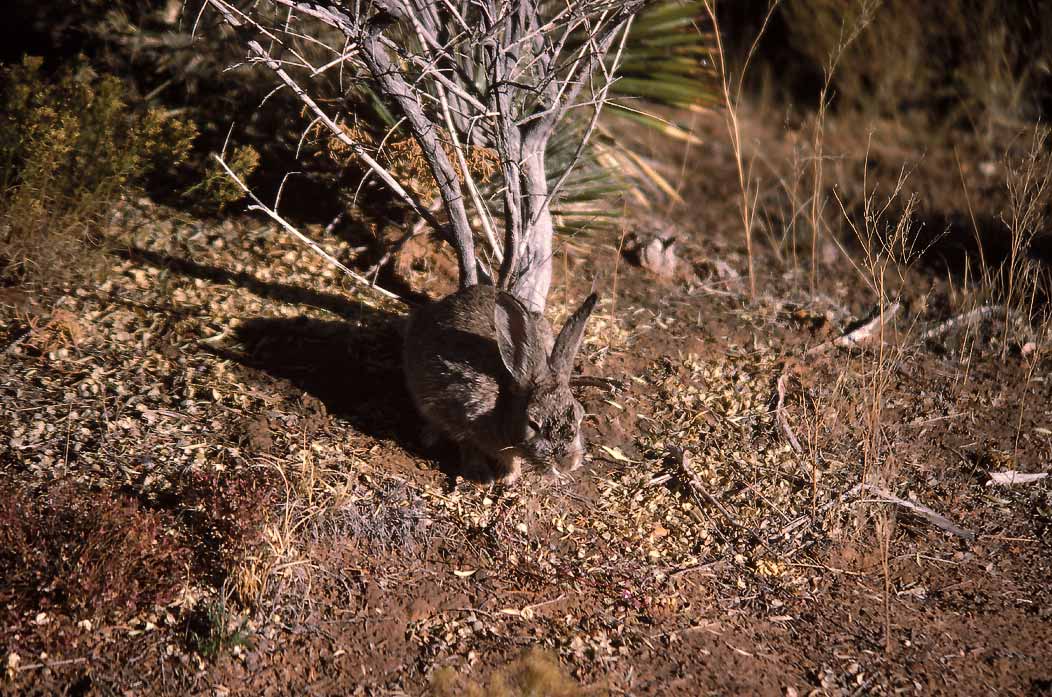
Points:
x=500, y=98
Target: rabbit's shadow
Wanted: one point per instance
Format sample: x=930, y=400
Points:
x=351, y=365
x=354, y=368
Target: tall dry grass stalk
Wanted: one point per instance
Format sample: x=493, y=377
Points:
x=1029, y=185
x=848, y=35
x=885, y=526
x=888, y=245
x=732, y=101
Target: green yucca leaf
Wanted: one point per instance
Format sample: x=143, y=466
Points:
x=662, y=12
x=664, y=63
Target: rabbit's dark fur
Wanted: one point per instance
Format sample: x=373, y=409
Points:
x=487, y=373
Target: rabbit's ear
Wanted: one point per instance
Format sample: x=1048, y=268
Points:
x=516, y=339
x=569, y=339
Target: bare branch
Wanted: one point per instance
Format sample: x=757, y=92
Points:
x=462, y=74
x=311, y=244
x=340, y=134
x=424, y=130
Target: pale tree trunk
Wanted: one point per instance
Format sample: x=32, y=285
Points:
x=534, y=275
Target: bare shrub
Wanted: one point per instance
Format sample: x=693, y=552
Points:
x=85, y=553
x=496, y=87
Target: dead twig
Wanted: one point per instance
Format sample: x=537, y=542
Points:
x=696, y=487
x=862, y=334
x=609, y=384
x=1010, y=477
x=802, y=520
x=966, y=318
x=937, y=519
x=779, y=412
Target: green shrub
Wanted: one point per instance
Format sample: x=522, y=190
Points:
x=70, y=148
x=217, y=190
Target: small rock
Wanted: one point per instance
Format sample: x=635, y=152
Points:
x=655, y=252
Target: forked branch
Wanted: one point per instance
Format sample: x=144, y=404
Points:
x=499, y=75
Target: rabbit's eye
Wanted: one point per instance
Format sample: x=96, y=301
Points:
x=535, y=426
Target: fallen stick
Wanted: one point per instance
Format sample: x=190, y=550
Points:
x=977, y=313
x=862, y=334
x=793, y=525
x=936, y=519
x=683, y=459
x=1009, y=477
x=611, y=384
x=779, y=412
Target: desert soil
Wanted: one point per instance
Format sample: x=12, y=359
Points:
x=225, y=382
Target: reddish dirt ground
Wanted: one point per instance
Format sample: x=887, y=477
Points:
x=743, y=568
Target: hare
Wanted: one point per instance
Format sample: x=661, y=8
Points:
x=486, y=373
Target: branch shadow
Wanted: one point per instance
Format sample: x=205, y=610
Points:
x=272, y=290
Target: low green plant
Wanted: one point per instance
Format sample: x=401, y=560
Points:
x=220, y=631
x=217, y=190
x=70, y=149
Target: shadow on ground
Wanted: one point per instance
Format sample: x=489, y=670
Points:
x=963, y=246
x=353, y=366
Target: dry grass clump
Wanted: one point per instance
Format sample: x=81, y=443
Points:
x=969, y=60
x=88, y=554
x=534, y=674
x=70, y=149
x=227, y=516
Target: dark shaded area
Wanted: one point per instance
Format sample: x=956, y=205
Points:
x=353, y=367
x=790, y=64
x=778, y=62
x=274, y=290
x=171, y=57
x=953, y=241
x=961, y=246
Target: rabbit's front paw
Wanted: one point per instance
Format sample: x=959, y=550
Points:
x=507, y=469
